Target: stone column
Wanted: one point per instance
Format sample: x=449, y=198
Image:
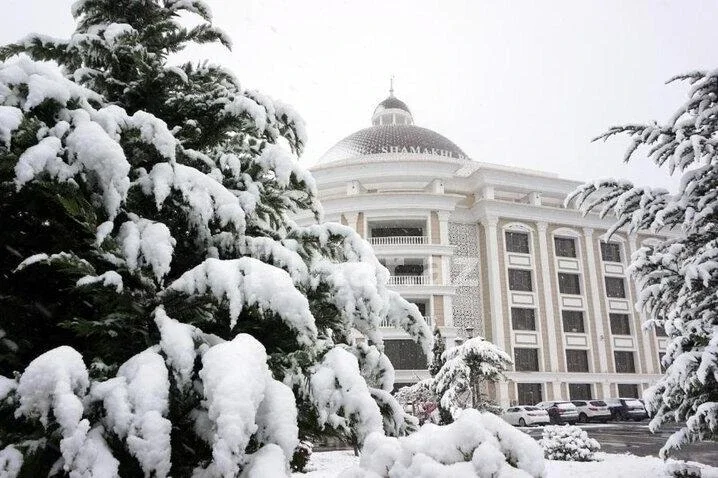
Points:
x=545, y=273
x=496, y=298
x=593, y=278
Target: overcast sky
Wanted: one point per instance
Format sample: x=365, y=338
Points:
x=521, y=83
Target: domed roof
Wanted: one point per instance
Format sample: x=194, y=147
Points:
x=392, y=102
x=393, y=138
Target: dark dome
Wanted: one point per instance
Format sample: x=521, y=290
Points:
x=393, y=139
x=392, y=102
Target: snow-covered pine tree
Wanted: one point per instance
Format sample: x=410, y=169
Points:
x=437, y=352
x=162, y=313
x=458, y=383
x=677, y=277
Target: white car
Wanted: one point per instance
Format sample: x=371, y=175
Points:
x=592, y=411
x=526, y=415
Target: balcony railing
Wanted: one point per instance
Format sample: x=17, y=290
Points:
x=428, y=318
x=398, y=240
x=409, y=280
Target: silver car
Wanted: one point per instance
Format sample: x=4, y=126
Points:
x=560, y=411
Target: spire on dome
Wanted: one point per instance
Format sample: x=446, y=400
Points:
x=391, y=86
x=392, y=110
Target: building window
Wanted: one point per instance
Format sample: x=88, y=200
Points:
x=523, y=319
x=660, y=361
x=520, y=279
x=660, y=331
x=409, y=270
x=579, y=391
x=620, y=324
x=529, y=393
x=526, y=360
x=624, y=362
x=573, y=321
x=615, y=287
x=517, y=242
x=569, y=283
x=405, y=354
x=628, y=390
x=576, y=360
x=611, y=251
x=565, y=246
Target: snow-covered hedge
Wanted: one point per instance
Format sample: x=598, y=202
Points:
x=568, y=443
x=475, y=445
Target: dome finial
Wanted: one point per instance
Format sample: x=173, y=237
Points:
x=391, y=86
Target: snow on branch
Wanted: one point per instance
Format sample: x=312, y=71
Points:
x=247, y=281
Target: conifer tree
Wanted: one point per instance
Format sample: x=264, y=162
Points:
x=677, y=277
x=162, y=312
x=437, y=352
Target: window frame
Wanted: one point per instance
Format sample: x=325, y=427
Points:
x=515, y=315
x=518, y=362
x=605, y=245
x=572, y=240
x=510, y=243
x=512, y=271
x=570, y=365
x=625, y=368
x=563, y=321
x=562, y=276
x=609, y=292
x=617, y=315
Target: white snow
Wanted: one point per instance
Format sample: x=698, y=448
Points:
x=113, y=31
x=10, y=119
x=107, y=279
x=332, y=463
x=147, y=242
x=177, y=341
x=341, y=395
x=10, y=462
x=277, y=417
x=234, y=394
x=252, y=282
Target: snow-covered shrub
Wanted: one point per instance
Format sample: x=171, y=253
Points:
x=679, y=469
x=568, y=443
x=302, y=455
x=475, y=445
x=466, y=367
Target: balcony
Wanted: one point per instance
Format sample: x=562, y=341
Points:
x=398, y=240
x=409, y=280
x=428, y=318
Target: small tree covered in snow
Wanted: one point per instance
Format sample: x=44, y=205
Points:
x=568, y=443
x=466, y=367
x=677, y=277
x=477, y=444
x=437, y=353
x=161, y=312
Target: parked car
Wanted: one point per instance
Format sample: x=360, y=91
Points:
x=526, y=415
x=560, y=411
x=592, y=411
x=626, y=409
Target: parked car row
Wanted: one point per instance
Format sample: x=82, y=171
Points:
x=561, y=412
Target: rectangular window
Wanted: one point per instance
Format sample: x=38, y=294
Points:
x=611, y=251
x=573, y=321
x=579, y=391
x=615, y=287
x=405, y=354
x=520, y=279
x=523, y=319
x=529, y=393
x=526, y=360
x=627, y=390
x=660, y=331
x=576, y=360
x=565, y=246
x=517, y=242
x=624, y=362
x=569, y=283
x=620, y=324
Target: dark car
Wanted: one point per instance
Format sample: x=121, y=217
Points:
x=560, y=411
x=626, y=409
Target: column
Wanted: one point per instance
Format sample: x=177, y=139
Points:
x=496, y=298
x=352, y=219
x=592, y=277
x=547, y=280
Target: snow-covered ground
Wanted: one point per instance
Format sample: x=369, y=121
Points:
x=330, y=464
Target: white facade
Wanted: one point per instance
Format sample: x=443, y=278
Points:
x=475, y=246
